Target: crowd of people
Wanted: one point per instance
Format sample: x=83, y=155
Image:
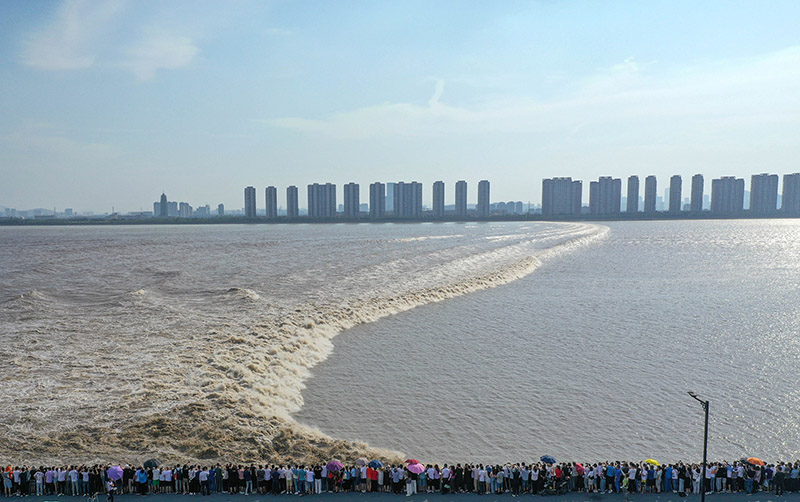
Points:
x=409, y=478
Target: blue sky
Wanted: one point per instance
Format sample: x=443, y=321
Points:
x=110, y=102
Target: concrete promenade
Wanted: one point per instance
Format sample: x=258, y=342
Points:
x=463, y=497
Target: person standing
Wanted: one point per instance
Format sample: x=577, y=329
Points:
x=111, y=488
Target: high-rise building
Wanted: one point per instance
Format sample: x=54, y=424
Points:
x=292, y=205
x=352, y=201
x=727, y=195
x=377, y=200
x=790, y=197
x=605, y=195
x=763, y=194
x=221, y=210
x=172, y=209
x=184, y=210
x=407, y=199
x=675, y=193
x=633, y=195
x=461, y=198
x=560, y=196
x=163, y=207
x=272, y=202
x=156, y=209
x=520, y=209
x=650, y=194
x=322, y=200
x=390, y=196
x=438, y=199
x=250, y=202
x=483, y=199
x=696, y=203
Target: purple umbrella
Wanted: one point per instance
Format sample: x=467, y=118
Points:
x=115, y=472
x=334, y=465
x=416, y=468
x=361, y=461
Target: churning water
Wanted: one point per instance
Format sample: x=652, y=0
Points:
x=194, y=342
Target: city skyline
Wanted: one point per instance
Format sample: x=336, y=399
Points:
x=111, y=101
x=560, y=196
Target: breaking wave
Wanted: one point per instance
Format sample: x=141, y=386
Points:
x=227, y=386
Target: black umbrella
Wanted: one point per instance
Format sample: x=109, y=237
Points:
x=151, y=463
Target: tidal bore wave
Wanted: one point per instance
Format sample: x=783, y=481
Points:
x=227, y=388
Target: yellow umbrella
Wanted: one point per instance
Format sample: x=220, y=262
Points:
x=652, y=462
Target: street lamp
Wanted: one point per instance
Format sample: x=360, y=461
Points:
x=705, y=447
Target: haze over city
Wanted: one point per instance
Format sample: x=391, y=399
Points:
x=110, y=103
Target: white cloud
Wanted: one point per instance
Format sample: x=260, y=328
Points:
x=46, y=139
x=69, y=42
x=86, y=34
x=629, y=102
x=159, y=50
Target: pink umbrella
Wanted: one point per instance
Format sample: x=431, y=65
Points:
x=416, y=468
x=334, y=465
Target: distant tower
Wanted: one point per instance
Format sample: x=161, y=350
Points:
x=352, y=201
x=696, y=204
x=272, y=202
x=675, y=194
x=377, y=200
x=461, y=198
x=483, y=199
x=164, y=208
x=390, y=196
x=221, y=210
x=560, y=196
x=250, y=202
x=727, y=195
x=438, y=199
x=764, y=193
x=633, y=195
x=790, y=199
x=292, y=208
x=605, y=195
x=650, y=194
x=322, y=200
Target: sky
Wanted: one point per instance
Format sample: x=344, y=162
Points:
x=110, y=102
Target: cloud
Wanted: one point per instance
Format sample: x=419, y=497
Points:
x=45, y=139
x=86, y=34
x=69, y=41
x=159, y=50
x=626, y=102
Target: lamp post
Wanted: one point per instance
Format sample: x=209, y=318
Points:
x=705, y=447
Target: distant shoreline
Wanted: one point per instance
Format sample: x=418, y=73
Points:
x=283, y=220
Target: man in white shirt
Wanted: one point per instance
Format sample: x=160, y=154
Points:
x=73, y=479
x=39, y=476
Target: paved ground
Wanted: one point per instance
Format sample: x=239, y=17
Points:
x=467, y=497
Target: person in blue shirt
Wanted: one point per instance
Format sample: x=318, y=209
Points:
x=668, y=479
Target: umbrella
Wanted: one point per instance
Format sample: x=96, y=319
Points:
x=412, y=461
x=755, y=461
x=334, y=465
x=115, y=472
x=548, y=459
x=580, y=469
x=151, y=463
x=375, y=464
x=416, y=468
x=361, y=461
x=652, y=462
